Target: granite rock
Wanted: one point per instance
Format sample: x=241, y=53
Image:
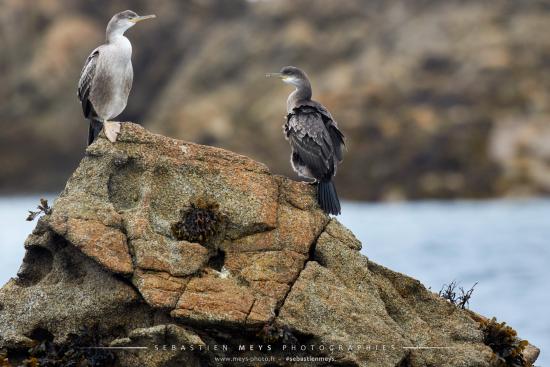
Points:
x=184, y=250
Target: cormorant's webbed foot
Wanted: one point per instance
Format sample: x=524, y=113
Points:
x=112, y=129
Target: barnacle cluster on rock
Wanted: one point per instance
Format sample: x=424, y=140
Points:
x=200, y=223
x=504, y=342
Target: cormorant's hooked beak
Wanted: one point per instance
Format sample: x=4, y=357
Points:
x=274, y=75
x=143, y=17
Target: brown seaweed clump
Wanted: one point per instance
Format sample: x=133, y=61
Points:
x=504, y=342
x=199, y=223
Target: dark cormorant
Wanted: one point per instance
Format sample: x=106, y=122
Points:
x=106, y=78
x=314, y=137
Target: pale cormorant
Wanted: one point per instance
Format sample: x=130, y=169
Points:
x=314, y=137
x=106, y=78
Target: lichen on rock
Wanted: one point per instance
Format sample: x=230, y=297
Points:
x=157, y=242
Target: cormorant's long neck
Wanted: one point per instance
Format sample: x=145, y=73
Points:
x=302, y=93
x=113, y=33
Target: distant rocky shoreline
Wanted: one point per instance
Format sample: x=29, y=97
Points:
x=438, y=99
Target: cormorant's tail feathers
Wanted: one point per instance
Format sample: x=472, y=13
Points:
x=94, y=130
x=328, y=198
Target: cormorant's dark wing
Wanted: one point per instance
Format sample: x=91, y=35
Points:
x=337, y=141
x=311, y=141
x=85, y=83
x=335, y=134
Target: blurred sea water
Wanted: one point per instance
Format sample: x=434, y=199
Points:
x=504, y=245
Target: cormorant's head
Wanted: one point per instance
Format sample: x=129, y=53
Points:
x=124, y=20
x=291, y=75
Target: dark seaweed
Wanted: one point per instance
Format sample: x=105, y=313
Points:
x=43, y=207
x=273, y=333
x=503, y=340
x=80, y=350
x=449, y=292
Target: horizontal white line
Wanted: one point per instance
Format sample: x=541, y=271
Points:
x=115, y=348
x=428, y=347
